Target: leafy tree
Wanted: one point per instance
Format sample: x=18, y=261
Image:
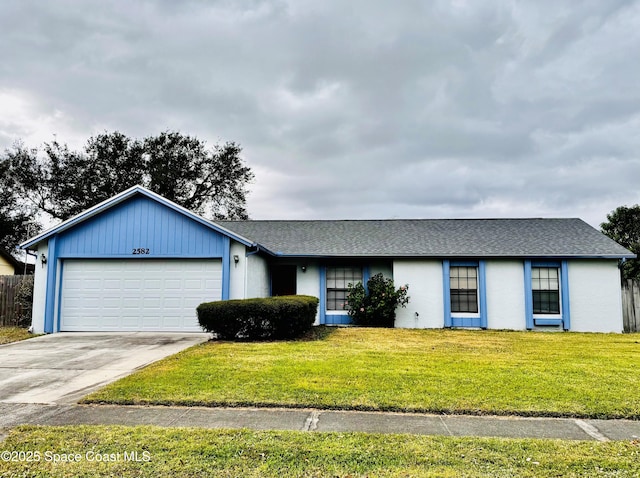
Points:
x=623, y=226
x=14, y=215
x=210, y=182
x=117, y=163
x=61, y=182
x=376, y=305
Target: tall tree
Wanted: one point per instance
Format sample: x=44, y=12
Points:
x=15, y=216
x=623, y=226
x=211, y=182
x=61, y=182
x=117, y=163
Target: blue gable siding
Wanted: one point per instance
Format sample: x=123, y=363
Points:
x=140, y=223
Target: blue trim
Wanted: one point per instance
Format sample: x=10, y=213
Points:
x=547, y=321
x=226, y=267
x=466, y=322
x=337, y=319
x=58, y=316
x=528, y=296
x=50, y=297
x=482, y=285
x=566, y=310
x=365, y=277
x=140, y=257
x=458, y=321
x=323, y=294
x=545, y=263
x=446, y=290
x=464, y=263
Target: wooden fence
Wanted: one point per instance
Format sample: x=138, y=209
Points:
x=631, y=305
x=16, y=295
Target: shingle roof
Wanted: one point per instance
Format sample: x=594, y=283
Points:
x=431, y=238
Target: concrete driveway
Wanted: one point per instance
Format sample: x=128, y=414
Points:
x=61, y=368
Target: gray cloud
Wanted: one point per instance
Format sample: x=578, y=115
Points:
x=351, y=109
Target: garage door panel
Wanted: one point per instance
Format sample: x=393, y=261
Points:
x=112, y=283
x=132, y=283
x=173, y=284
x=172, y=303
x=111, y=303
x=152, y=284
x=148, y=295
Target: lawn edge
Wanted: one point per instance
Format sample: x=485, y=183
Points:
x=359, y=408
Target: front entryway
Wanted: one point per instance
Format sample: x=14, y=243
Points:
x=283, y=280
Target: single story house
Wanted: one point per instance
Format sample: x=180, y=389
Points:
x=138, y=262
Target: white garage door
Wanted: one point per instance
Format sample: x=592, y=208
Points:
x=129, y=295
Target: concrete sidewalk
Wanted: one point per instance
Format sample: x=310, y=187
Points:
x=13, y=414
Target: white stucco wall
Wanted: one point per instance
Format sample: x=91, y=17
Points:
x=250, y=276
x=39, y=290
x=424, y=278
x=594, y=290
x=505, y=295
x=237, y=272
x=595, y=294
x=308, y=283
x=257, y=283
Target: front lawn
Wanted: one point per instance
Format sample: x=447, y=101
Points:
x=96, y=451
x=13, y=334
x=441, y=371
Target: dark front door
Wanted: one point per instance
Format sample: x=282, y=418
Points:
x=283, y=280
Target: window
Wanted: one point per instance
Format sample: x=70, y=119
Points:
x=545, y=285
x=463, y=286
x=547, y=294
x=338, y=280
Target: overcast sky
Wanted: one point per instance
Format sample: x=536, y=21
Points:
x=351, y=109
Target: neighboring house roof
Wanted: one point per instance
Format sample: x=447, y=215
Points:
x=18, y=266
x=11, y=260
x=119, y=198
x=431, y=238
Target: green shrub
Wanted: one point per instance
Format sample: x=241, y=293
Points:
x=376, y=305
x=270, y=318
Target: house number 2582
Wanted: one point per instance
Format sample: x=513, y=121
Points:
x=140, y=250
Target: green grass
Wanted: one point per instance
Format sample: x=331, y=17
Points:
x=13, y=334
x=441, y=371
x=192, y=452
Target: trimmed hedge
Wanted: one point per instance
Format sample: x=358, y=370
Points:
x=283, y=317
